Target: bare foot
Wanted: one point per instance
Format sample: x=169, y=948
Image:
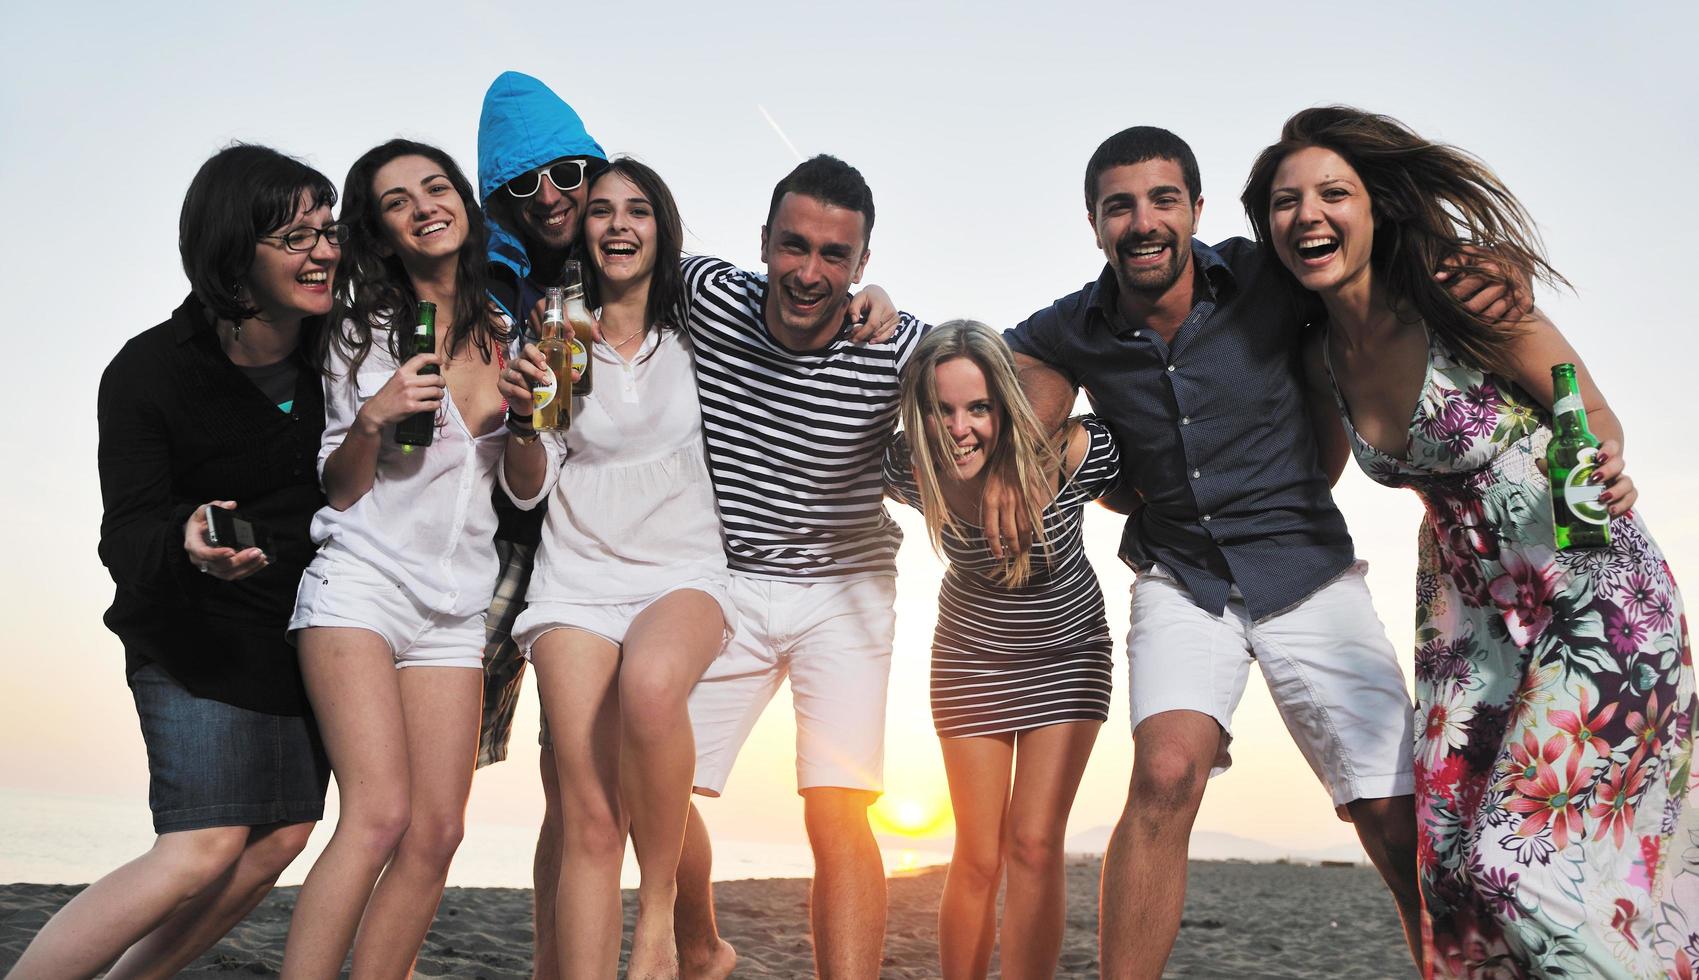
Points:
x=716, y=964
x=654, y=951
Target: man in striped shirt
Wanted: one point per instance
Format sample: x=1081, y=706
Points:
x=796, y=414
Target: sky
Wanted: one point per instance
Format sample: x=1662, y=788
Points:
x=972, y=124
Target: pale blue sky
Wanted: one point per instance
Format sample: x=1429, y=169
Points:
x=972, y=122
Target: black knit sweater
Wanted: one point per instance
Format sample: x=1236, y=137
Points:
x=180, y=426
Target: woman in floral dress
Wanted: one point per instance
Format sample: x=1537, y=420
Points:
x=1554, y=690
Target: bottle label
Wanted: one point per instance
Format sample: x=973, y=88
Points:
x=545, y=392
x=1568, y=404
x=1582, y=497
x=580, y=357
x=554, y=315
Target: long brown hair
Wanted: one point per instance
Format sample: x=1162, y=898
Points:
x=665, y=306
x=1022, y=456
x=374, y=289
x=1431, y=203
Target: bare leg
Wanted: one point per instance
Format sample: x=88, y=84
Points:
x=702, y=954
x=978, y=770
x=114, y=913
x=441, y=709
x=205, y=919
x=545, y=873
x=1048, y=765
x=666, y=650
x=1144, y=871
x=356, y=697
x=577, y=673
x=847, y=903
x=1387, y=828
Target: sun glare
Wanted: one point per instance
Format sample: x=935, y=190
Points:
x=910, y=816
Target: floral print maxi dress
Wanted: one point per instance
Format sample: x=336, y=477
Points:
x=1554, y=710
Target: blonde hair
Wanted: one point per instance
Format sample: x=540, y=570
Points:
x=1022, y=457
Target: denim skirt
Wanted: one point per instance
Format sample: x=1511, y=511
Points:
x=212, y=764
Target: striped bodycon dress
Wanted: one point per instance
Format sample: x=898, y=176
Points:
x=1008, y=660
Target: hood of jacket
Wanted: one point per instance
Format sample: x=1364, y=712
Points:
x=524, y=125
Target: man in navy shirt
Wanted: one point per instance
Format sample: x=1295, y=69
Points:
x=1192, y=355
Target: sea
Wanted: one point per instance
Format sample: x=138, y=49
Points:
x=71, y=839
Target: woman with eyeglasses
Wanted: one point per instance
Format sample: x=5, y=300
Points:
x=1021, y=669
x=629, y=602
x=391, y=612
x=216, y=410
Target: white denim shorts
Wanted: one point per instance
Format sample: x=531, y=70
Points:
x=833, y=640
x=610, y=620
x=1329, y=666
x=341, y=590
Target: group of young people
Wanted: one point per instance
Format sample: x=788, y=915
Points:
x=713, y=523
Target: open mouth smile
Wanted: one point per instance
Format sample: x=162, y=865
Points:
x=1316, y=248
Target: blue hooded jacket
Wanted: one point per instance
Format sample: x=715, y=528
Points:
x=524, y=125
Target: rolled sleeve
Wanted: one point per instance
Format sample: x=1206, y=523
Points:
x=554, y=450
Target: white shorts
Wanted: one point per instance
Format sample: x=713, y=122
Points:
x=833, y=639
x=339, y=590
x=610, y=620
x=1328, y=664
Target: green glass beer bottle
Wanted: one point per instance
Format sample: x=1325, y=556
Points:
x=1579, y=519
x=419, y=428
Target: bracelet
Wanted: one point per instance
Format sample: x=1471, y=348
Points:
x=520, y=427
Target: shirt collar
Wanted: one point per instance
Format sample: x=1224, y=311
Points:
x=189, y=320
x=1217, y=276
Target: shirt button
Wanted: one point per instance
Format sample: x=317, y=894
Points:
x=1196, y=474
x=1170, y=367
x=1186, y=420
x=1206, y=518
x=1138, y=333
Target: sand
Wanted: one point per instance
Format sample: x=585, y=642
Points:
x=1241, y=920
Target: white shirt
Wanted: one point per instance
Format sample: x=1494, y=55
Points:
x=427, y=522
x=632, y=513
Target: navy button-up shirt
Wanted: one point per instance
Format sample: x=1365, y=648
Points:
x=1213, y=429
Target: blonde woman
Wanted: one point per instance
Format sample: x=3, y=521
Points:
x=1021, y=656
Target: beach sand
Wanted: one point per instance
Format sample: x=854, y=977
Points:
x=1241, y=920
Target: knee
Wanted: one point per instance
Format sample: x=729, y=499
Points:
x=836, y=821
x=433, y=839
x=651, y=702
x=1165, y=785
x=195, y=859
x=976, y=866
x=376, y=827
x=1035, y=849
x=276, y=850
x=593, y=833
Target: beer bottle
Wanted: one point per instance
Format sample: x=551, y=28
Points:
x=551, y=399
x=578, y=317
x=419, y=428
x=1579, y=519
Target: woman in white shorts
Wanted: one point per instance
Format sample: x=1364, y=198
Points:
x=406, y=563
x=628, y=602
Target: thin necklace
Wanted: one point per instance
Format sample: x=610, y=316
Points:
x=617, y=347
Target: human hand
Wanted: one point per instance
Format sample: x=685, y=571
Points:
x=227, y=564
x=407, y=392
x=1500, y=295
x=873, y=317
x=1619, y=493
x=522, y=374
x=1008, y=532
x=536, y=319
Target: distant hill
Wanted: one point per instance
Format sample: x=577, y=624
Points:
x=1212, y=846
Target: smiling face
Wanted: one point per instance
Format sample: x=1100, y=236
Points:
x=422, y=216
x=1144, y=218
x=1320, y=220
x=814, y=252
x=550, y=217
x=285, y=285
x=968, y=419
x=619, y=229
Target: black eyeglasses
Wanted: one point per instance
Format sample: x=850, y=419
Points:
x=566, y=175
x=307, y=239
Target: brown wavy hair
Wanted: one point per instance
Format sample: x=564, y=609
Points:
x=1023, y=457
x=1432, y=204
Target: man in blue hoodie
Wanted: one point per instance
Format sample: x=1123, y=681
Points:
x=535, y=163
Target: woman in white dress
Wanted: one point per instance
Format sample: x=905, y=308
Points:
x=628, y=602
